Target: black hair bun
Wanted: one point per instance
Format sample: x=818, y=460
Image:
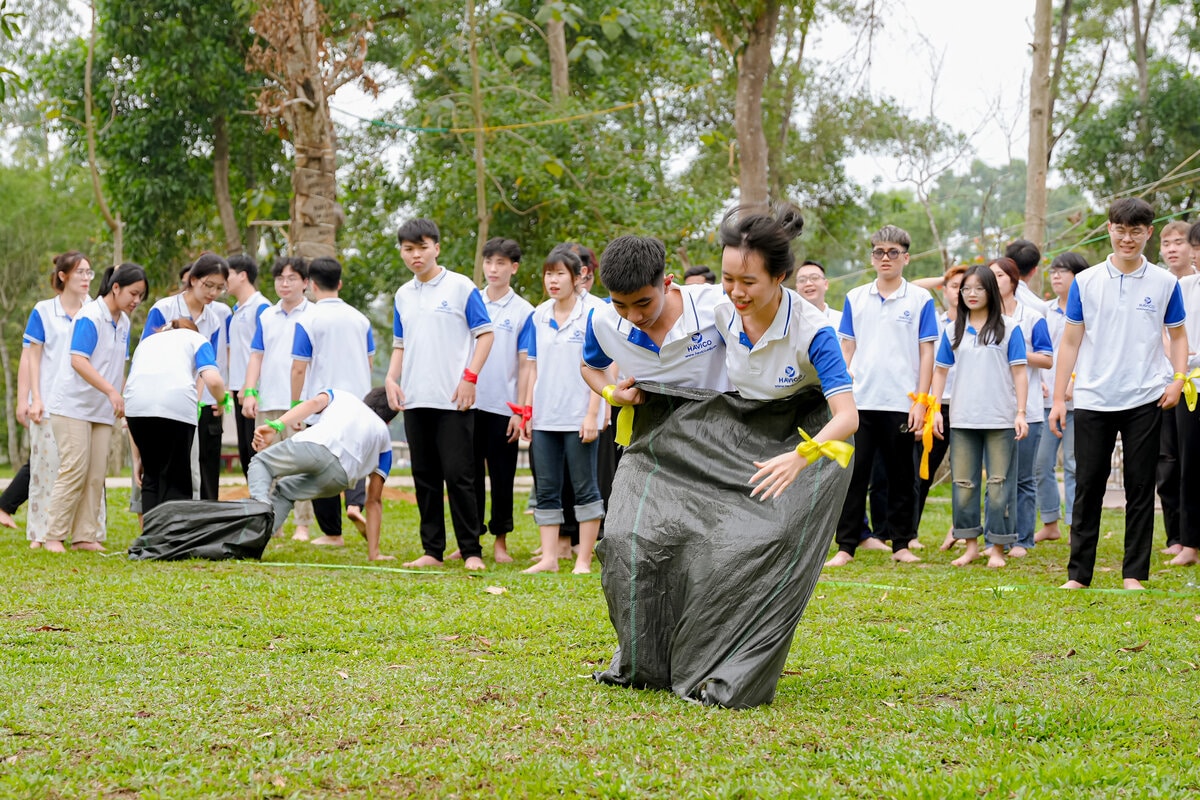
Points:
x=790, y=219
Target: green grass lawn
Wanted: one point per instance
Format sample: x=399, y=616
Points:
x=124, y=679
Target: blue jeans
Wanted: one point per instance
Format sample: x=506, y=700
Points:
x=1049, y=501
x=970, y=451
x=1023, y=495
x=550, y=450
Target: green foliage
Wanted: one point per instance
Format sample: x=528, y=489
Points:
x=9, y=28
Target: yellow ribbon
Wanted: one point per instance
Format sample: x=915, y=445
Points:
x=624, y=416
x=1190, y=394
x=835, y=450
x=932, y=407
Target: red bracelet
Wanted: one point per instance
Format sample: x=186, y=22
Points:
x=470, y=377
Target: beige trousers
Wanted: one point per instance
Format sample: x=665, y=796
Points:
x=302, y=512
x=43, y=473
x=77, y=498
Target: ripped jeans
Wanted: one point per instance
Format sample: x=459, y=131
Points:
x=972, y=451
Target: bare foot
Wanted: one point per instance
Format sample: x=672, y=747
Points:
x=423, y=561
x=871, y=543
x=474, y=564
x=500, y=551
x=1072, y=585
x=542, y=566
x=1132, y=584
x=455, y=556
x=354, y=514
x=6, y=520
x=1187, y=556
x=904, y=557
x=582, y=569
x=301, y=534
x=949, y=541
x=841, y=559
x=35, y=545
x=92, y=547
x=1048, y=533
x=381, y=557
x=1016, y=551
x=54, y=547
x=969, y=556
x=995, y=555
x=1173, y=550
x=329, y=541
x=915, y=544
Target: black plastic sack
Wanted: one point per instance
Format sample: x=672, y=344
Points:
x=204, y=529
x=705, y=584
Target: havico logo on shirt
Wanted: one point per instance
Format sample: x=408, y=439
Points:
x=699, y=345
x=577, y=335
x=906, y=317
x=444, y=307
x=790, y=377
x=1147, y=304
x=505, y=324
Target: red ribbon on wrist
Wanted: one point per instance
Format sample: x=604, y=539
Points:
x=470, y=377
x=525, y=412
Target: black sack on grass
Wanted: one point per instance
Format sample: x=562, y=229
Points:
x=208, y=529
x=705, y=584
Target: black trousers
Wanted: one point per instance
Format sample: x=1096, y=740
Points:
x=1187, y=425
x=1167, y=477
x=211, y=426
x=166, y=448
x=245, y=433
x=441, y=446
x=885, y=432
x=936, y=455
x=327, y=511
x=1095, y=435
x=496, y=456
x=17, y=492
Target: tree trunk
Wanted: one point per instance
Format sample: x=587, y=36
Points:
x=115, y=225
x=1039, y=126
x=10, y=415
x=556, y=36
x=1141, y=33
x=482, y=217
x=315, y=213
x=754, y=65
x=233, y=236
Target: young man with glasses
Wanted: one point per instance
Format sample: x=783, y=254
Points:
x=239, y=331
x=1112, y=346
x=888, y=330
x=811, y=284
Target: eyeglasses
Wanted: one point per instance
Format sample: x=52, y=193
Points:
x=879, y=253
x=288, y=279
x=1137, y=232
x=85, y=273
x=209, y=286
x=1059, y=270
x=803, y=279
x=972, y=290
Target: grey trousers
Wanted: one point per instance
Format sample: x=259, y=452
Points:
x=300, y=471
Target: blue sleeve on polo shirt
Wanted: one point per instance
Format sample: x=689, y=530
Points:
x=1175, y=312
x=531, y=350
x=927, y=327
x=846, y=329
x=261, y=308
x=594, y=355
x=215, y=339
x=945, y=353
x=302, y=345
x=228, y=322
x=256, y=344
x=370, y=341
x=397, y=326
x=1041, y=341
x=526, y=336
x=1074, y=305
x=154, y=321
x=1016, y=346
x=385, y=463
x=826, y=355
x=476, y=311
x=84, y=337
x=35, y=331
x=205, y=357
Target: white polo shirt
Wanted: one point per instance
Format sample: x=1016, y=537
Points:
x=985, y=397
x=1056, y=324
x=337, y=342
x=274, y=333
x=105, y=342
x=692, y=354
x=1121, y=364
x=833, y=315
x=946, y=324
x=354, y=434
x=1027, y=296
x=512, y=327
x=210, y=323
x=1032, y=321
x=50, y=326
x=798, y=349
x=436, y=322
x=560, y=395
x=162, y=377
x=240, y=329
x=887, y=334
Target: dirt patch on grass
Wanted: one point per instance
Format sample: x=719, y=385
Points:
x=243, y=493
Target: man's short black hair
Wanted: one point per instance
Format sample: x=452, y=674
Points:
x=325, y=272
x=418, y=230
x=1072, y=262
x=244, y=264
x=631, y=263
x=1130, y=211
x=298, y=265
x=816, y=264
x=1194, y=235
x=701, y=271
x=502, y=247
x=377, y=401
x=1026, y=255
